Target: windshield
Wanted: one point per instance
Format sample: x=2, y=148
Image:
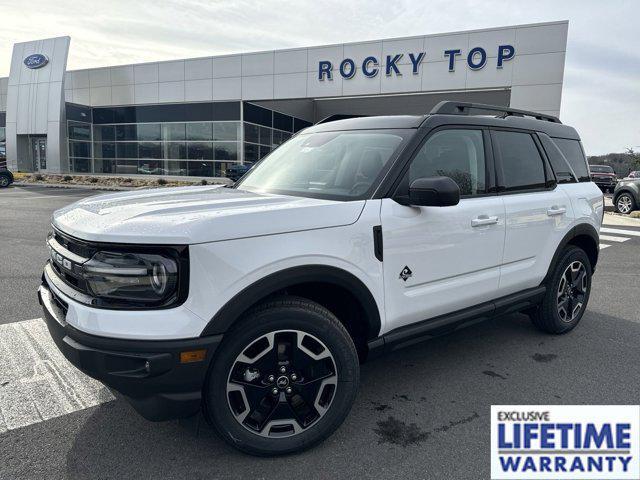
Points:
x=600, y=169
x=334, y=165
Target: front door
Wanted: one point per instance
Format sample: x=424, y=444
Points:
x=441, y=259
x=39, y=153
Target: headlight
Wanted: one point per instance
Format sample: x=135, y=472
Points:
x=135, y=278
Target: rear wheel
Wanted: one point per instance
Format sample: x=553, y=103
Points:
x=283, y=379
x=567, y=294
x=4, y=181
x=625, y=203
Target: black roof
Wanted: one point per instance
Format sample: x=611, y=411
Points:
x=506, y=117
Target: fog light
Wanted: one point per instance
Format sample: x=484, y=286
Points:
x=193, y=356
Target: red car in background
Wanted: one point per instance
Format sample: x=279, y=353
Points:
x=604, y=177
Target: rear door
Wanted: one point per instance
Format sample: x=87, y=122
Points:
x=538, y=213
x=441, y=259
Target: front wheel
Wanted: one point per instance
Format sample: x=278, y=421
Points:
x=284, y=378
x=567, y=294
x=4, y=181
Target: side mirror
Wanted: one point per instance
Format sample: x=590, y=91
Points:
x=434, y=192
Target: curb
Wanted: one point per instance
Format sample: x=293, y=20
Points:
x=80, y=187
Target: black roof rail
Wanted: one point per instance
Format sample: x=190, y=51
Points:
x=464, y=108
x=338, y=116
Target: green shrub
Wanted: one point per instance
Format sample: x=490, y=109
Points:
x=92, y=180
x=127, y=180
x=162, y=181
x=203, y=182
x=37, y=177
x=67, y=178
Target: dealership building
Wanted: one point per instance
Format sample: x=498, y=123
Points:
x=198, y=116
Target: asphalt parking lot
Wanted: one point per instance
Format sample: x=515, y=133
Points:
x=421, y=413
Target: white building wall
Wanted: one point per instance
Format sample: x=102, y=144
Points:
x=35, y=102
x=534, y=75
x=4, y=86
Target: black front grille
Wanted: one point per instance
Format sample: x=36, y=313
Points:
x=74, y=245
x=73, y=279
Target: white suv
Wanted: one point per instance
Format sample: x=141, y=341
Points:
x=258, y=302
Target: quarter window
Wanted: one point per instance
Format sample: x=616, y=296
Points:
x=522, y=165
x=457, y=154
x=572, y=151
x=561, y=168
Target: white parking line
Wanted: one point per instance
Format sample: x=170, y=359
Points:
x=620, y=231
x=36, y=381
x=610, y=238
x=603, y=246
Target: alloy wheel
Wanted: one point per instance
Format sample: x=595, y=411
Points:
x=282, y=383
x=572, y=291
x=4, y=181
x=624, y=204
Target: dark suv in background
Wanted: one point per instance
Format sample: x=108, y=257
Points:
x=604, y=177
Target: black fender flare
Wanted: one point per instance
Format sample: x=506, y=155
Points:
x=234, y=308
x=628, y=190
x=576, y=231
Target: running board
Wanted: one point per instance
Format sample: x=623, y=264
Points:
x=450, y=322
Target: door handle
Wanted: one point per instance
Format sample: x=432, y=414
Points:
x=484, y=220
x=555, y=210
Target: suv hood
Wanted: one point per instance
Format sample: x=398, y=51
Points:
x=188, y=215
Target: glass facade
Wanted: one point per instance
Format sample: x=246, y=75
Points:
x=201, y=140
x=265, y=129
x=203, y=149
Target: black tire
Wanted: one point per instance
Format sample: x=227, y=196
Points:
x=628, y=199
x=548, y=316
x=288, y=314
x=5, y=180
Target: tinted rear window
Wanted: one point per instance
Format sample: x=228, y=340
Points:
x=522, y=165
x=572, y=151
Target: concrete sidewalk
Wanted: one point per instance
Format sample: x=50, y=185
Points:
x=611, y=218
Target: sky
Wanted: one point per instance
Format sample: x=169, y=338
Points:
x=601, y=93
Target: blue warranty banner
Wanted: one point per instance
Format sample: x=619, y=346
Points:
x=565, y=442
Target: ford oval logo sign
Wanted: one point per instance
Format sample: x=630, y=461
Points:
x=37, y=60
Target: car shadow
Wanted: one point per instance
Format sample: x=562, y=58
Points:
x=417, y=409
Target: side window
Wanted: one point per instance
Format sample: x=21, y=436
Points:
x=522, y=165
x=455, y=153
x=562, y=169
x=572, y=151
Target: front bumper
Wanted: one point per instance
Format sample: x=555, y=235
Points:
x=605, y=182
x=148, y=373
